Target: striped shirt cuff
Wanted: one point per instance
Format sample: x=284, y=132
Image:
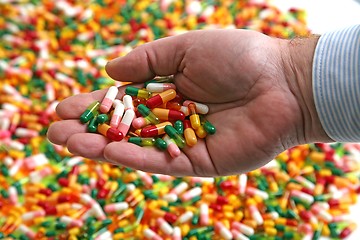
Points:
x=336, y=83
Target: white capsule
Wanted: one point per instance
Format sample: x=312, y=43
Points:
x=27, y=231
x=74, y=161
x=256, y=192
x=256, y=215
x=303, y=196
x=98, y=212
x=200, y=107
x=150, y=234
x=70, y=221
x=16, y=166
x=114, y=207
x=160, y=87
x=171, y=197
x=242, y=182
x=204, y=214
x=238, y=235
x=180, y=188
x=125, y=123
x=194, y=192
x=306, y=183
x=108, y=100
x=184, y=110
x=245, y=229
x=24, y=132
x=223, y=231
x=35, y=161
x=128, y=102
x=176, y=234
x=185, y=217
x=13, y=195
x=117, y=114
x=165, y=226
x=34, y=214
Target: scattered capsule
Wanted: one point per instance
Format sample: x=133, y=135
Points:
x=179, y=126
x=110, y=132
x=137, y=92
x=108, y=100
x=160, y=87
x=161, y=98
x=117, y=114
x=160, y=144
x=194, y=117
x=126, y=121
x=154, y=130
x=140, y=122
x=142, y=142
x=189, y=134
x=168, y=114
x=90, y=112
x=170, y=130
x=200, y=107
x=209, y=128
x=172, y=148
x=146, y=113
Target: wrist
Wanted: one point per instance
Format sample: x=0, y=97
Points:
x=297, y=56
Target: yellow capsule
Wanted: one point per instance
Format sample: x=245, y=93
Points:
x=229, y=214
x=317, y=156
x=72, y=237
x=270, y=231
x=239, y=215
x=269, y=223
x=325, y=230
x=250, y=222
x=74, y=231
x=325, y=172
x=123, y=223
x=185, y=228
x=283, y=156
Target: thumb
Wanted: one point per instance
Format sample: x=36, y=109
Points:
x=159, y=58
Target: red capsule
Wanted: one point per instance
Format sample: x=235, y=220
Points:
x=170, y=218
x=161, y=98
x=112, y=133
x=64, y=198
x=154, y=130
x=168, y=114
x=64, y=182
x=46, y=191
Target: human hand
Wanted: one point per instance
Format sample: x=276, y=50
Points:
x=250, y=83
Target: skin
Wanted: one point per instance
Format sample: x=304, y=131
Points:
x=258, y=89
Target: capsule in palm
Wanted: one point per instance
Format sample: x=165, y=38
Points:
x=179, y=126
x=189, y=134
x=161, y=98
x=159, y=87
x=108, y=99
x=194, y=117
x=145, y=112
x=137, y=92
x=168, y=114
x=160, y=144
x=172, y=148
x=200, y=132
x=208, y=127
x=126, y=121
x=154, y=130
x=179, y=140
x=90, y=112
x=200, y=108
x=117, y=114
x=140, y=122
x=143, y=142
x=110, y=132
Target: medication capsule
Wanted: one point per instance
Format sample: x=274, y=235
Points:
x=160, y=87
x=102, y=118
x=179, y=140
x=108, y=100
x=150, y=234
x=93, y=125
x=185, y=217
x=172, y=148
x=160, y=144
x=208, y=127
x=117, y=114
x=164, y=226
x=90, y=112
x=194, y=192
x=200, y=132
x=176, y=234
x=204, y=214
x=145, y=112
x=238, y=235
x=194, y=117
x=137, y=92
x=180, y=188
x=142, y=142
x=200, y=108
x=128, y=102
x=172, y=105
x=189, y=134
x=256, y=192
x=161, y=98
x=243, y=228
x=126, y=121
x=168, y=114
x=140, y=122
x=154, y=130
x=110, y=132
x=347, y=231
x=223, y=231
x=114, y=207
x=179, y=126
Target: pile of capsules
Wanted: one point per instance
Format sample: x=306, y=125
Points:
x=158, y=117
x=50, y=50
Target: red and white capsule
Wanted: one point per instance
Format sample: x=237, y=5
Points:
x=223, y=231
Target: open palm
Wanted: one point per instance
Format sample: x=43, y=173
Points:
x=238, y=73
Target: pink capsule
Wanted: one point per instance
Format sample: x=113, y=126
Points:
x=108, y=100
x=256, y=192
x=242, y=182
x=255, y=214
x=160, y=87
x=24, y=132
x=13, y=195
x=243, y=228
x=238, y=235
x=70, y=222
x=117, y=114
x=5, y=134
x=204, y=214
x=27, y=231
x=16, y=166
x=114, y=207
x=223, y=231
x=150, y=234
x=50, y=92
x=164, y=226
x=35, y=161
x=180, y=188
x=140, y=122
x=126, y=121
x=172, y=148
x=194, y=192
x=34, y=214
x=176, y=234
x=37, y=176
x=145, y=177
x=321, y=212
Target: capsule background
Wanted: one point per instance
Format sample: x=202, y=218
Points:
x=50, y=50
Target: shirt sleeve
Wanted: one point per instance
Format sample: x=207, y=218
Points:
x=336, y=83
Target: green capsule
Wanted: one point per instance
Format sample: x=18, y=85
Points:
x=60, y=225
x=194, y=221
x=146, y=113
x=90, y=112
x=4, y=193
x=209, y=128
x=143, y=142
x=102, y=118
x=179, y=140
x=106, y=222
x=92, y=126
x=51, y=233
x=137, y=92
x=179, y=126
x=4, y=170
x=160, y=144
